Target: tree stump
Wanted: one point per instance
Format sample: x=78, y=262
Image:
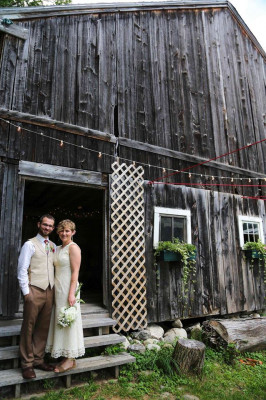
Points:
x=189, y=356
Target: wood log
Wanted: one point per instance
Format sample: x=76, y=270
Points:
x=189, y=355
x=247, y=334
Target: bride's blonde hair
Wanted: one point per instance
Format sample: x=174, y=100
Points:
x=66, y=223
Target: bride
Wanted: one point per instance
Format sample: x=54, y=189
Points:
x=66, y=342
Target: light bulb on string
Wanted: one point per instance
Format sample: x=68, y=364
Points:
x=100, y=154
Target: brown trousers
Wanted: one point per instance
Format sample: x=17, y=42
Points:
x=35, y=326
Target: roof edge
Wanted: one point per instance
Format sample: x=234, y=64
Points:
x=25, y=13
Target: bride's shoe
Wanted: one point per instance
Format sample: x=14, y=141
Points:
x=60, y=368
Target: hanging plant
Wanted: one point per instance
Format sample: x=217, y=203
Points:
x=256, y=251
x=184, y=254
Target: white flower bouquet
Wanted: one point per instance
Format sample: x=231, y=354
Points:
x=67, y=315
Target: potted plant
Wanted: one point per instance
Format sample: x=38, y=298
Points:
x=255, y=250
x=176, y=250
x=184, y=254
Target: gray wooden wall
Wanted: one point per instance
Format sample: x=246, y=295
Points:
x=190, y=81
x=225, y=282
x=187, y=80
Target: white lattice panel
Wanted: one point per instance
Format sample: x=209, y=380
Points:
x=128, y=248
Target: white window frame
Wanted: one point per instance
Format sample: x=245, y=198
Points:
x=244, y=218
x=174, y=212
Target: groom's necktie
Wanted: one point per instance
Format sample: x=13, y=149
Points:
x=46, y=242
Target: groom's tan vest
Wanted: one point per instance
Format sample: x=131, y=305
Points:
x=41, y=269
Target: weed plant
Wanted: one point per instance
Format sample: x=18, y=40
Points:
x=153, y=373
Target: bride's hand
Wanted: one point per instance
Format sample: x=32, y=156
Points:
x=71, y=300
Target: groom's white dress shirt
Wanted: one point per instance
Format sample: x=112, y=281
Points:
x=24, y=260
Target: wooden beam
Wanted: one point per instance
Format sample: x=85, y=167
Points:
x=54, y=124
x=95, y=134
x=186, y=157
x=56, y=173
x=14, y=30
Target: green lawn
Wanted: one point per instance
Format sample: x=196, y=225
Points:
x=152, y=377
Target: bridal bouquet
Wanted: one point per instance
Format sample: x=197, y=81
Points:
x=67, y=315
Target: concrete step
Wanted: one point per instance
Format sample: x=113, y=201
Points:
x=14, y=377
x=12, y=328
x=11, y=352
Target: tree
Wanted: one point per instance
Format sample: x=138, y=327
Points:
x=32, y=3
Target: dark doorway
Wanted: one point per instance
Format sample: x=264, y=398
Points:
x=84, y=206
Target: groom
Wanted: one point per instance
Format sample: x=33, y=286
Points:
x=36, y=280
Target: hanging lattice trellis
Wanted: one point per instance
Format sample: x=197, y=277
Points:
x=128, y=248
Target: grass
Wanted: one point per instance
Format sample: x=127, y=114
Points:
x=223, y=378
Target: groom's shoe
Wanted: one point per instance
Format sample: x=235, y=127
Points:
x=44, y=367
x=28, y=373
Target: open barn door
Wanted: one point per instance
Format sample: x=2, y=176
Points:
x=128, y=248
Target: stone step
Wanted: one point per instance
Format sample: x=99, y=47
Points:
x=11, y=352
x=14, y=377
x=12, y=328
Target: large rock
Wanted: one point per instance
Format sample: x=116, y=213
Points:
x=190, y=397
x=156, y=331
x=174, y=333
x=137, y=348
x=126, y=343
x=141, y=335
x=150, y=341
x=177, y=324
x=153, y=347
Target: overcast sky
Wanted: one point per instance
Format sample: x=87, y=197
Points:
x=253, y=12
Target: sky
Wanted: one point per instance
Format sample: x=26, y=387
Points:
x=253, y=12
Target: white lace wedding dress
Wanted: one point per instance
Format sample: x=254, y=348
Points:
x=66, y=342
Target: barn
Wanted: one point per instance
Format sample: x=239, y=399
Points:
x=140, y=122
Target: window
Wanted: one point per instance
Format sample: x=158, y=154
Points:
x=170, y=223
x=250, y=229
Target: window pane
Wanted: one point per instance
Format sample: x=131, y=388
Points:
x=166, y=228
x=251, y=231
x=179, y=228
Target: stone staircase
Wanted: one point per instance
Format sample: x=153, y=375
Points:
x=97, y=325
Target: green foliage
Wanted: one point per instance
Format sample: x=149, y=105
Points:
x=154, y=374
x=230, y=354
x=261, y=249
x=258, y=246
x=114, y=349
x=177, y=246
x=32, y=3
x=48, y=384
x=187, y=251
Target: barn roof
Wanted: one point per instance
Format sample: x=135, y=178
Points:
x=27, y=13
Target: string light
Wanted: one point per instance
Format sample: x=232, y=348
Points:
x=19, y=129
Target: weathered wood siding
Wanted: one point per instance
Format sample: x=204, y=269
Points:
x=11, y=212
x=180, y=79
x=189, y=81
x=225, y=282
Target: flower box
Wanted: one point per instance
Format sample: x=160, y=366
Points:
x=192, y=256
x=166, y=255
x=253, y=254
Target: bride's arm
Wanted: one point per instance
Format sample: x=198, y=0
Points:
x=75, y=260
